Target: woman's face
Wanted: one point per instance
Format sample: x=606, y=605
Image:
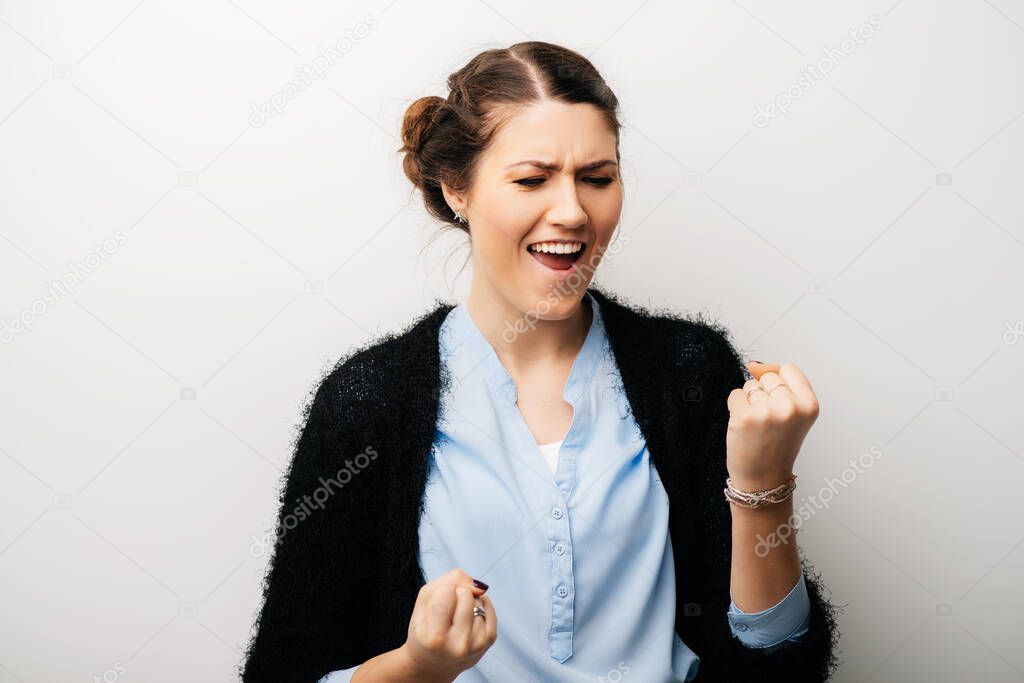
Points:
x=549, y=175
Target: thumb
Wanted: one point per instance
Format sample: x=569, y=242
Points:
x=757, y=368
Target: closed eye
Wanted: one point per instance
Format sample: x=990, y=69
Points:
x=597, y=181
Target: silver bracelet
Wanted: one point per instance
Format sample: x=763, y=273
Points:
x=756, y=499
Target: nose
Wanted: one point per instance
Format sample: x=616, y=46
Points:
x=567, y=212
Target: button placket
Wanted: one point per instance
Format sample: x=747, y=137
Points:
x=557, y=498
x=560, y=632
x=559, y=528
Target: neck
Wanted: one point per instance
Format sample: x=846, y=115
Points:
x=520, y=339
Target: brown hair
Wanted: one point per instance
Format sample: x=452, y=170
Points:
x=443, y=137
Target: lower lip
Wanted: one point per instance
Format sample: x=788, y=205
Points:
x=554, y=272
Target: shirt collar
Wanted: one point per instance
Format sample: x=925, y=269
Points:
x=460, y=330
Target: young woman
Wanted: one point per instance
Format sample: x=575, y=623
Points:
x=541, y=483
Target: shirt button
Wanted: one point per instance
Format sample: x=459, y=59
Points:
x=562, y=590
x=559, y=549
x=741, y=627
x=557, y=513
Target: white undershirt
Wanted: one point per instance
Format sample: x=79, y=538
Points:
x=550, y=453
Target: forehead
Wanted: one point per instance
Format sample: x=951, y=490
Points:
x=555, y=131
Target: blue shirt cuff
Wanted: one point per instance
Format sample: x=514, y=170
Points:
x=786, y=620
x=340, y=676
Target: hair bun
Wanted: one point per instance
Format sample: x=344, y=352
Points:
x=419, y=122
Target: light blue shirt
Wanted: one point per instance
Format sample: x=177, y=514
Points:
x=579, y=560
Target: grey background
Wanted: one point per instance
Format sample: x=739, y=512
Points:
x=873, y=235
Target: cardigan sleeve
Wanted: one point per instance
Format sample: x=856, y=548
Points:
x=809, y=658
x=309, y=624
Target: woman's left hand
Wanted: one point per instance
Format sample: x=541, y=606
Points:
x=767, y=429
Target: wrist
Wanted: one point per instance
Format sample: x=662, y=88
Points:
x=775, y=513
x=755, y=496
x=760, y=482
x=414, y=671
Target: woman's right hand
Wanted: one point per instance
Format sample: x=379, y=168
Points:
x=444, y=637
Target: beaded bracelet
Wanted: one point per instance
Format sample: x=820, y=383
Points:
x=755, y=499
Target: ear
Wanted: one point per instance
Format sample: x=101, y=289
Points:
x=454, y=199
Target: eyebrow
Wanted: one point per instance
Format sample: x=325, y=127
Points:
x=554, y=167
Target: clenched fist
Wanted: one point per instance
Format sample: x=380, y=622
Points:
x=445, y=638
x=767, y=428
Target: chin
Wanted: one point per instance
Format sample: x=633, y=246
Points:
x=553, y=303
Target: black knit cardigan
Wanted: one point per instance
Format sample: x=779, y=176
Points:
x=345, y=575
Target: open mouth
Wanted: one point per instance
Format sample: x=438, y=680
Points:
x=557, y=254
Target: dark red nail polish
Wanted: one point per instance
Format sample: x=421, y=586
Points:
x=480, y=584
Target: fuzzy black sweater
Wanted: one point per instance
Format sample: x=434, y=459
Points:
x=345, y=574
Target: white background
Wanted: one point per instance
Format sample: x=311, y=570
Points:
x=148, y=416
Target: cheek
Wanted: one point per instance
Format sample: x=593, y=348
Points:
x=503, y=229
x=605, y=215
x=497, y=251
x=609, y=206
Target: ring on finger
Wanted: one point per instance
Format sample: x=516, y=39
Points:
x=756, y=387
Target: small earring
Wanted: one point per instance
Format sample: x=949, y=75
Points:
x=459, y=217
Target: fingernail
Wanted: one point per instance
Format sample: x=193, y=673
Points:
x=480, y=584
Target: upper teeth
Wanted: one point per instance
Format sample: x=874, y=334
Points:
x=557, y=247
